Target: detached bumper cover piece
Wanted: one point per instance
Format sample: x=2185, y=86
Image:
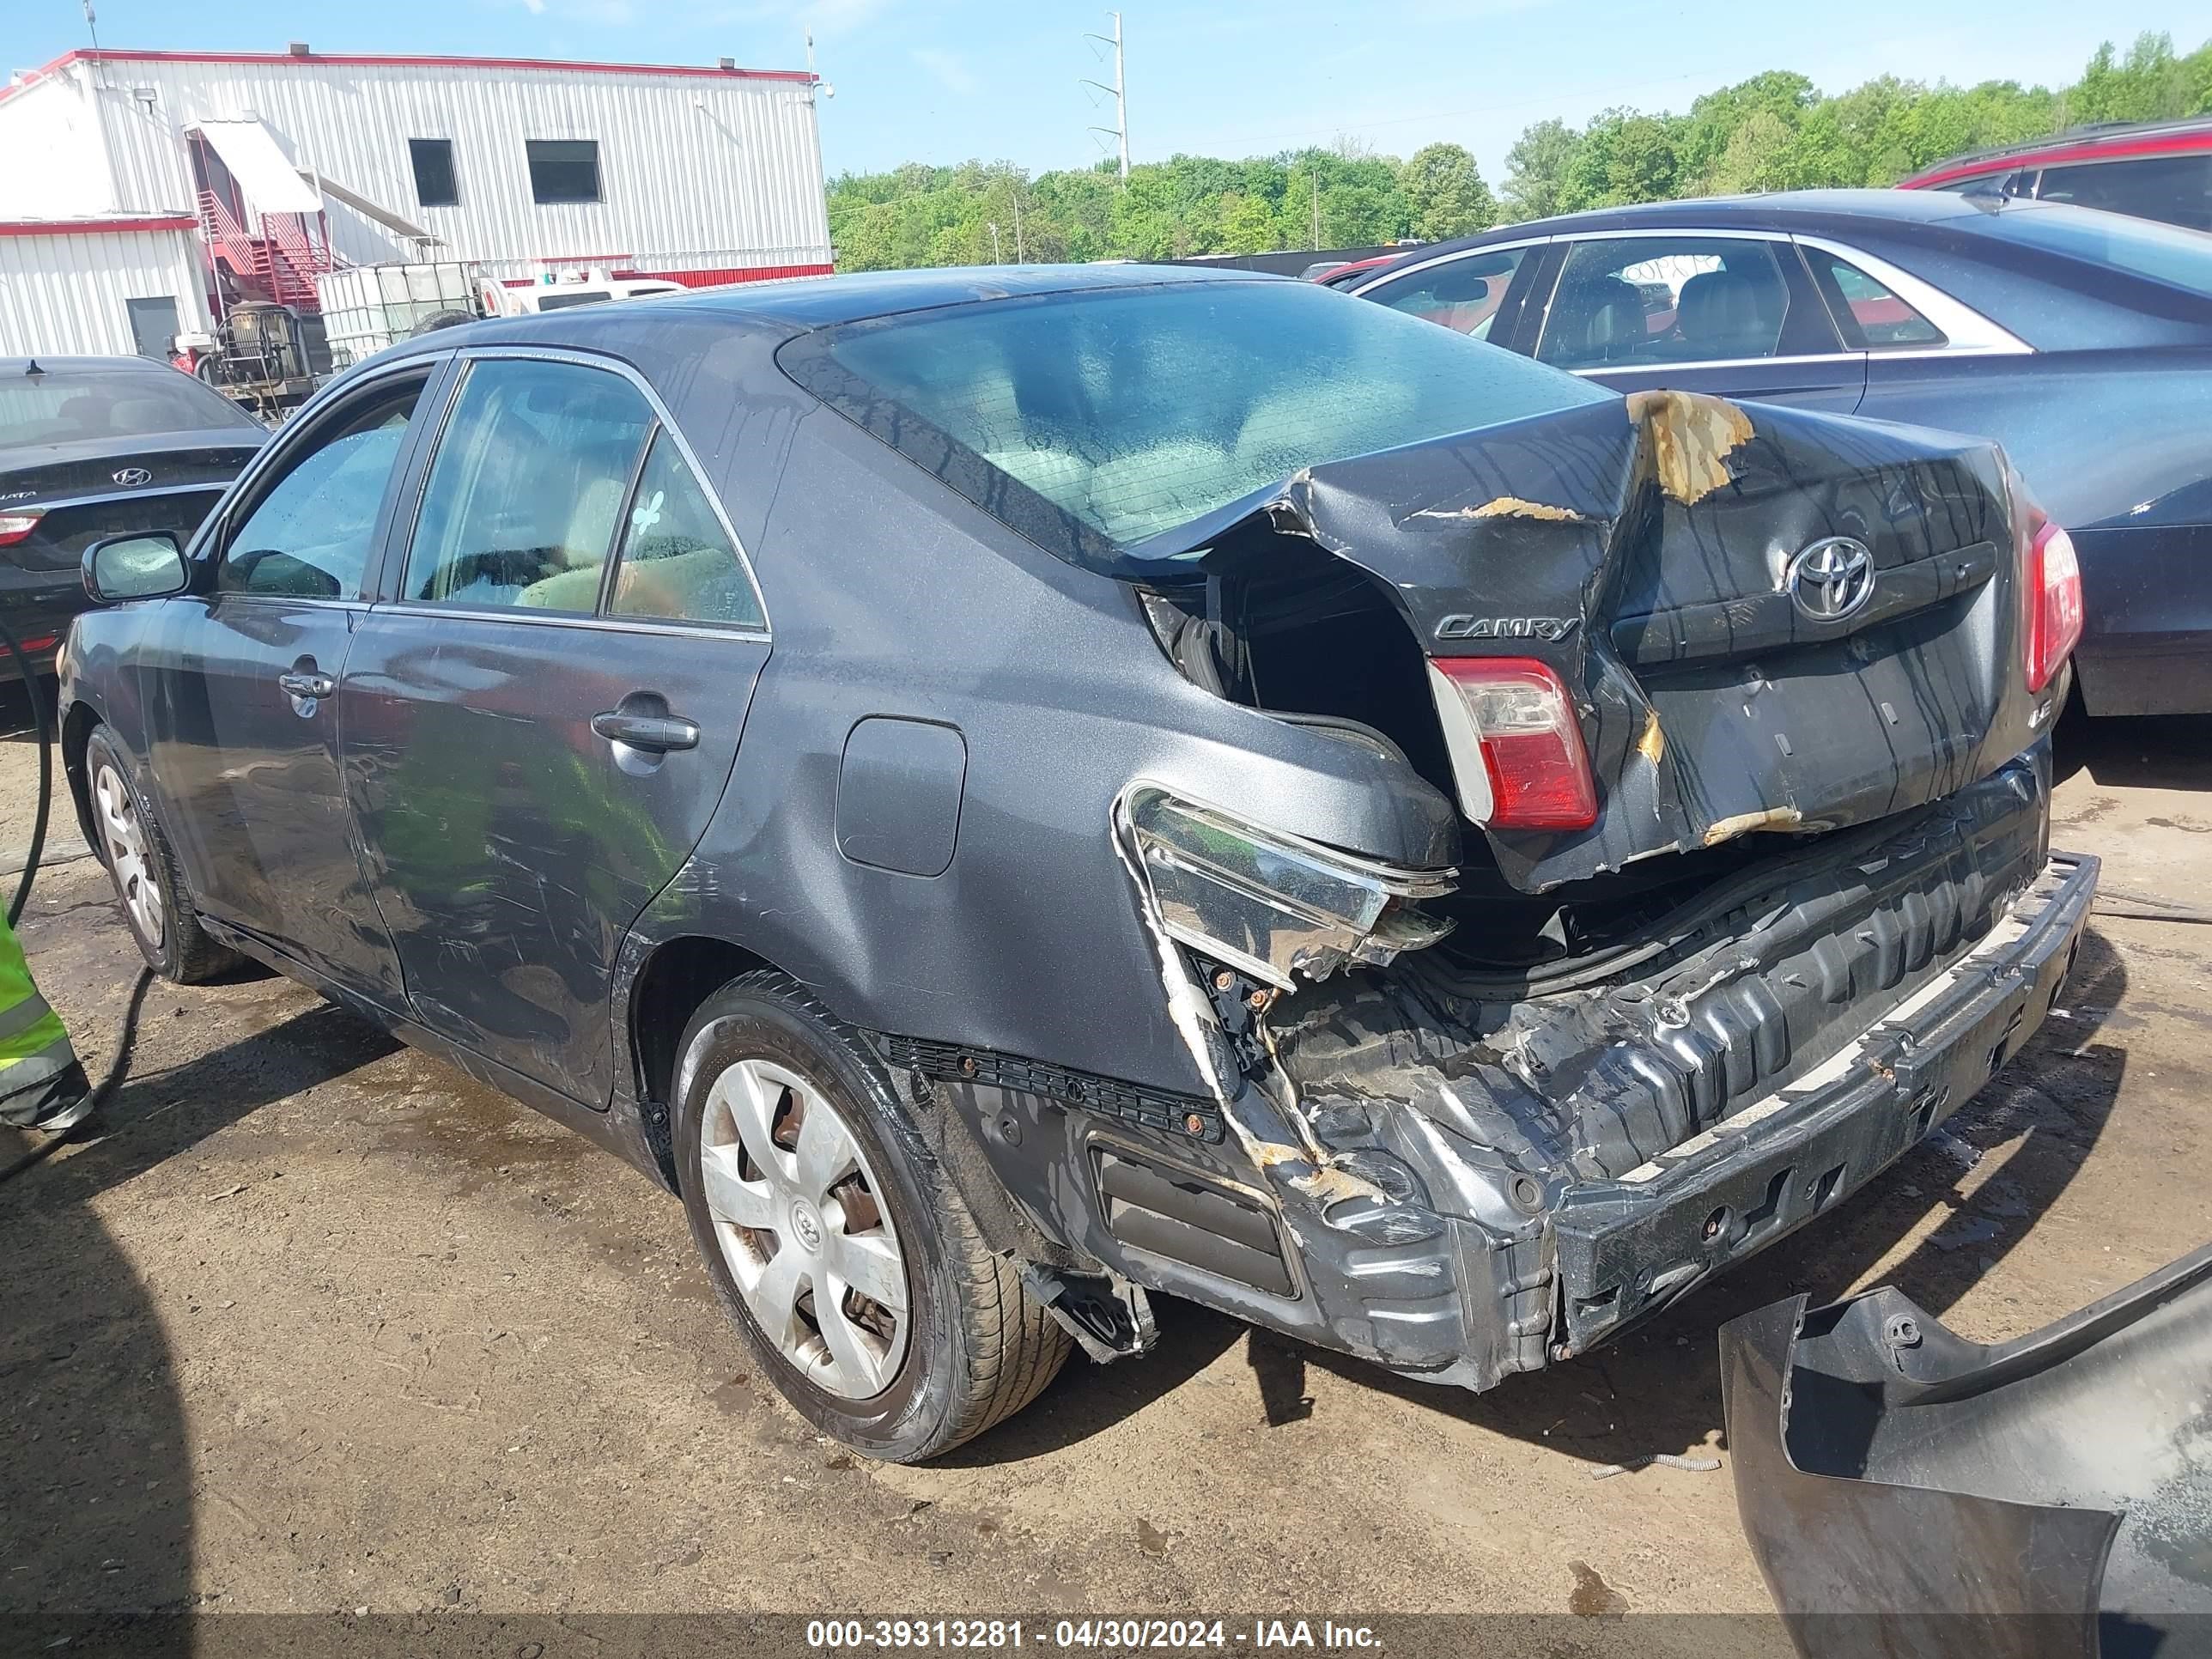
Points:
x=1907, y=1492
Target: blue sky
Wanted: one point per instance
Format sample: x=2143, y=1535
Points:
x=998, y=80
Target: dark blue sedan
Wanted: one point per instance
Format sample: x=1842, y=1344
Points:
x=2081, y=341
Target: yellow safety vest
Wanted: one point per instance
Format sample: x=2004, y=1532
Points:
x=39, y=1077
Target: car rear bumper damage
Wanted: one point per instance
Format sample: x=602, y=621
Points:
x=1460, y=1190
x=1909, y=1492
x=1628, y=1247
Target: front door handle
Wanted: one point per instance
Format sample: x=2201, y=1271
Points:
x=656, y=734
x=306, y=685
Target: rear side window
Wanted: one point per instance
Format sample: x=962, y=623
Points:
x=1094, y=422
x=2176, y=189
x=678, y=561
x=1463, y=296
x=1639, y=301
x=1871, y=317
x=520, y=507
x=309, y=535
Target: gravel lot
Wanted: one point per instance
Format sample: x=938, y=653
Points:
x=312, y=1323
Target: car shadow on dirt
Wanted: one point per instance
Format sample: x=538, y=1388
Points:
x=2165, y=752
x=1657, y=1388
x=96, y=1514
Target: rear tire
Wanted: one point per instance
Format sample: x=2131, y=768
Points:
x=798, y=1216
x=156, y=905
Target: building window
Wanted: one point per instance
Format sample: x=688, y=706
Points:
x=563, y=169
x=435, y=185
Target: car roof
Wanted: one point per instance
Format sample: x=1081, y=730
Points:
x=800, y=305
x=15, y=368
x=2076, y=144
x=1841, y=213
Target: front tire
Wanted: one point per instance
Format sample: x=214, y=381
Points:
x=156, y=905
x=840, y=1245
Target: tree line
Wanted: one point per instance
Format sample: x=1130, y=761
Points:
x=1773, y=131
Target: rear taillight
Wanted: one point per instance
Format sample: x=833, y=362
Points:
x=18, y=525
x=2050, y=583
x=1521, y=724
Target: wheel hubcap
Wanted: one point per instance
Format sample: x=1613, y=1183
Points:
x=125, y=838
x=799, y=1215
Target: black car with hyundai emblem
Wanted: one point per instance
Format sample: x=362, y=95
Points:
x=90, y=446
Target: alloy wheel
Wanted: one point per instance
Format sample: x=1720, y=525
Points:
x=799, y=1218
x=124, y=835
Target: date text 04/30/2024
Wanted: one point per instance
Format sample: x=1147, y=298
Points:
x=1087, y=1635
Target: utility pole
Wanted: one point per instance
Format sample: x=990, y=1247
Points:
x=997, y=258
x=1317, y=205
x=1021, y=258
x=1120, y=129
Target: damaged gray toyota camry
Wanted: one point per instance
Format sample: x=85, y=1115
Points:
x=1016, y=791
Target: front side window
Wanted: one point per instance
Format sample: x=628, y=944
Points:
x=1091, y=422
x=436, y=182
x=1638, y=301
x=1463, y=296
x=521, y=504
x=309, y=537
x=2176, y=189
x=563, y=170
x=1871, y=317
x=678, y=561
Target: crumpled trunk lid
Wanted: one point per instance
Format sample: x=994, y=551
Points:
x=1644, y=549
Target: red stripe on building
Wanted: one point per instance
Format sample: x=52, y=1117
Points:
x=93, y=227
x=388, y=60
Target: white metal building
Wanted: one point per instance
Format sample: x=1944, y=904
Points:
x=195, y=177
x=107, y=286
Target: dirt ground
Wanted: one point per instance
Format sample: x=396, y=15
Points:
x=312, y=1323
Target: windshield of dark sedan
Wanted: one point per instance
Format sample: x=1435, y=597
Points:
x=61, y=407
x=1092, y=422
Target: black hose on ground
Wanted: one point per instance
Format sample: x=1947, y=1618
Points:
x=118, y=1069
x=45, y=772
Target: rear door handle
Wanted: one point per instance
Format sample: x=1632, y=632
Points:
x=306, y=685
x=654, y=733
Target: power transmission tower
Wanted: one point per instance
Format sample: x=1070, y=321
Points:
x=1120, y=129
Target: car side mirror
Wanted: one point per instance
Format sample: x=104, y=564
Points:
x=147, y=565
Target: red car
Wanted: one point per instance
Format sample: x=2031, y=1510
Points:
x=2161, y=171
x=1344, y=272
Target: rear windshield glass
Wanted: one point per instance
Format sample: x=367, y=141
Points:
x=62, y=408
x=1091, y=422
x=2165, y=253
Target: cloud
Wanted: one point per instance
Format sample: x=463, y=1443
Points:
x=948, y=67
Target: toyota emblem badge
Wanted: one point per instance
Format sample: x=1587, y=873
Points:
x=1831, y=579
